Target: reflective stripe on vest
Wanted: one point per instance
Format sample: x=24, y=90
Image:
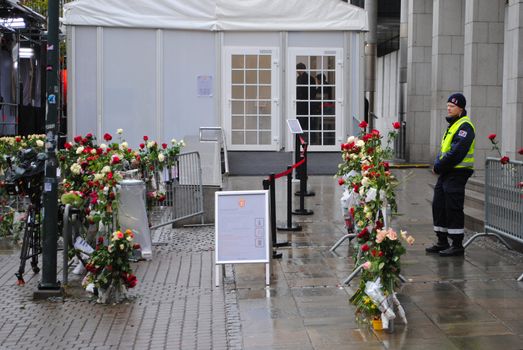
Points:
x=446, y=143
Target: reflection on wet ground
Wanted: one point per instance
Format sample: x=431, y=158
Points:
x=451, y=303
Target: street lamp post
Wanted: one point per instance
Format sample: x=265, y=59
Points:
x=48, y=285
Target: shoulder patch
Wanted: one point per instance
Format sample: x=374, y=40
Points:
x=462, y=133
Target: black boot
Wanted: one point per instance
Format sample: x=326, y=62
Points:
x=442, y=244
x=456, y=249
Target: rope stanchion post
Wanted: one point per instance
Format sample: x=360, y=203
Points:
x=303, y=184
x=290, y=226
x=303, y=173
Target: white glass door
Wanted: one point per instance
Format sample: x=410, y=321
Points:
x=315, y=87
x=251, y=98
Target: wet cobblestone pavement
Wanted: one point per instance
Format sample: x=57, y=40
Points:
x=451, y=303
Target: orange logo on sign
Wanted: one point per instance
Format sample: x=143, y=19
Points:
x=241, y=203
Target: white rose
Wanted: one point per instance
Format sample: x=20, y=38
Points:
x=93, y=151
x=173, y=141
x=79, y=150
x=360, y=143
x=119, y=131
x=151, y=144
x=76, y=168
x=98, y=177
x=103, y=146
x=124, y=145
x=368, y=215
x=161, y=157
x=39, y=143
x=106, y=190
x=350, y=139
x=182, y=143
x=106, y=169
x=365, y=181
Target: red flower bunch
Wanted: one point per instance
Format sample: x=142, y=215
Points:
x=396, y=125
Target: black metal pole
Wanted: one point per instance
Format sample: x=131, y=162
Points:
x=304, y=173
x=290, y=226
x=303, y=187
x=49, y=285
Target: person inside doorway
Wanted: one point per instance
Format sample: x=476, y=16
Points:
x=305, y=91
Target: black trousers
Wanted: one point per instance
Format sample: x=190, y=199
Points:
x=447, y=204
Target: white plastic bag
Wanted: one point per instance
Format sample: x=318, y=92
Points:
x=373, y=290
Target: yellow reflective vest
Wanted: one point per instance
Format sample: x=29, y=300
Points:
x=446, y=142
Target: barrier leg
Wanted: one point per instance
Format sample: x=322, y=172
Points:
x=352, y=275
x=290, y=226
x=348, y=236
x=485, y=234
x=520, y=278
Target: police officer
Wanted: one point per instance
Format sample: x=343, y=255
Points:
x=454, y=165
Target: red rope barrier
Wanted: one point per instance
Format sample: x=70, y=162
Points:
x=288, y=171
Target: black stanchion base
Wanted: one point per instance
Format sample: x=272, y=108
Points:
x=302, y=212
x=282, y=244
x=292, y=228
x=306, y=194
x=276, y=255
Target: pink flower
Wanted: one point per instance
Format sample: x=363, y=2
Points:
x=366, y=265
x=410, y=240
x=391, y=234
x=381, y=236
x=119, y=235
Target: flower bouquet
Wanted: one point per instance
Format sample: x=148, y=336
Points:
x=369, y=183
x=109, y=269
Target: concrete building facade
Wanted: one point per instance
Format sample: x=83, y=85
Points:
x=469, y=46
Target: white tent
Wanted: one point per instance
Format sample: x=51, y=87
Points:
x=219, y=15
x=164, y=68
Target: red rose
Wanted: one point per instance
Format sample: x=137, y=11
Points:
x=374, y=252
x=379, y=225
x=386, y=165
x=18, y=139
x=136, y=246
x=109, y=267
x=504, y=160
x=89, y=136
x=492, y=137
x=161, y=198
x=129, y=150
x=111, y=195
x=77, y=139
x=396, y=125
x=520, y=151
x=375, y=132
x=380, y=253
x=364, y=248
x=351, y=210
x=142, y=146
x=363, y=124
x=145, y=138
x=99, y=151
x=107, y=137
x=356, y=188
x=164, y=145
x=67, y=146
x=109, y=175
x=520, y=185
x=116, y=160
x=341, y=181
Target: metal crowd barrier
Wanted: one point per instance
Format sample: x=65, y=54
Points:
x=503, y=202
x=184, y=189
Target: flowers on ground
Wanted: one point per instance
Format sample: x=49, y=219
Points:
x=109, y=264
x=369, y=190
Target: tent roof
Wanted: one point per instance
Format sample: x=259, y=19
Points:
x=219, y=15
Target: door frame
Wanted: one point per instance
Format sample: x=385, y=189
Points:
x=274, y=51
x=292, y=53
